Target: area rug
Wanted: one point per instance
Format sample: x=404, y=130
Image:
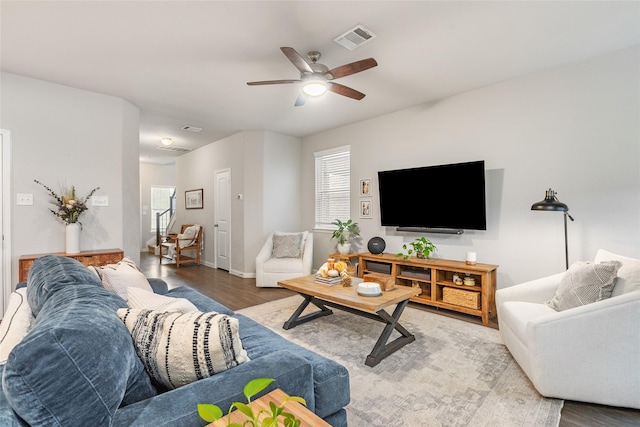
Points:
x=456, y=373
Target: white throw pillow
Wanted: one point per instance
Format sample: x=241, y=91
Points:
x=119, y=277
x=16, y=323
x=178, y=349
x=189, y=236
x=628, y=275
x=139, y=298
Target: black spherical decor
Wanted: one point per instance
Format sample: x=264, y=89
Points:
x=376, y=245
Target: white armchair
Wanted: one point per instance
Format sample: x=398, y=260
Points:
x=286, y=262
x=588, y=353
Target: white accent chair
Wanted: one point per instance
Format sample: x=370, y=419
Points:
x=270, y=270
x=589, y=353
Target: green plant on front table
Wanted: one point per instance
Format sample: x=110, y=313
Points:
x=421, y=246
x=346, y=231
x=211, y=413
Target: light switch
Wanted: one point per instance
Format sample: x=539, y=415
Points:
x=100, y=201
x=24, y=199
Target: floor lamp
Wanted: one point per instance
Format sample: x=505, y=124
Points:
x=551, y=203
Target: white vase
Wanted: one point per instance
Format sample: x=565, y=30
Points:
x=344, y=249
x=72, y=240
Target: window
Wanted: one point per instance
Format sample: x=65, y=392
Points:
x=162, y=202
x=333, y=183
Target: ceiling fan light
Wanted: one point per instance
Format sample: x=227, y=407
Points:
x=166, y=141
x=314, y=88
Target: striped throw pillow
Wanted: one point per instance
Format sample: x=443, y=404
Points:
x=177, y=349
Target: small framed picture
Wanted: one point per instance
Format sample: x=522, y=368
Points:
x=365, y=208
x=365, y=187
x=193, y=199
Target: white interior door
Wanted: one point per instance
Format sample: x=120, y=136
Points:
x=222, y=219
x=5, y=219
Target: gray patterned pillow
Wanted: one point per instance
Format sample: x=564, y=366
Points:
x=584, y=283
x=178, y=349
x=287, y=245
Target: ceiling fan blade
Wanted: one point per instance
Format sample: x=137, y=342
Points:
x=297, y=60
x=302, y=98
x=273, y=82
x=345, y=91
x=354, y=67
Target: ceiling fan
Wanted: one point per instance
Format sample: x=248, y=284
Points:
x=318, y=78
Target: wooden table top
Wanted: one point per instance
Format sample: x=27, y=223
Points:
x=349, y=296
x=306, y=417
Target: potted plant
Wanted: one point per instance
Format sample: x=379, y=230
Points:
x=346, y=231
x=261, y=418
x=421, y=246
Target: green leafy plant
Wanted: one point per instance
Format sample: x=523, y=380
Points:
x=211, y=413
x=346, y=230
x=421, y=246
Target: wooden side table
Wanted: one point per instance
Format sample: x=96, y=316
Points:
x=94, y=258
x=307, y=418
x=344, y=257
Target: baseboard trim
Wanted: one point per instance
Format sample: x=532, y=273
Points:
x=243, y=274
x=237, y=273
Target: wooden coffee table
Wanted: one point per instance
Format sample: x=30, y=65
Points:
x=347, y=299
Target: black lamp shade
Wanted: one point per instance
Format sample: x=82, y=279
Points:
x=550, y=203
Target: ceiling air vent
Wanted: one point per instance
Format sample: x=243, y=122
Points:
x=173, y=148
x=355, y=37
x=191, y=128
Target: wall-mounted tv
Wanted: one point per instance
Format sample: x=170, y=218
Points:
x=445, y=198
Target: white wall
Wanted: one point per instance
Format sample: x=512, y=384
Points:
x=66, y=136
x=265, y=170
x=282, y=190
x=575, y=129
x=152, y=175
x=197, y=170
x=130, y=173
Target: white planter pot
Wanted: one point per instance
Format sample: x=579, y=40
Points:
x=344, y=249
x=72, y=238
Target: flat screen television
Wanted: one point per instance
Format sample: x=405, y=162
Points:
x=445, y=198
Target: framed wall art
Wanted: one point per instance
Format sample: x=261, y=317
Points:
x=365, y=187
x=365, y=209
x=193, y=199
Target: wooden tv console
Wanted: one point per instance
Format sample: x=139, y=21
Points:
x=435, y=279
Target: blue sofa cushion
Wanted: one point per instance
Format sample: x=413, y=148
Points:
x=179, y=407
x=330, y=379
x=78, y=355
x=51, y=273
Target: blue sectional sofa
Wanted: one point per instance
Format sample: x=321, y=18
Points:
x=78, y=365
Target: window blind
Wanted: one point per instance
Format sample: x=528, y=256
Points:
x=333, y=182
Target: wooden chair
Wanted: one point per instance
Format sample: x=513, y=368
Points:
x=175, y=248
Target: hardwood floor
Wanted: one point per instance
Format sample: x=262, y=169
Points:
x=237, y=293
x=232, y=291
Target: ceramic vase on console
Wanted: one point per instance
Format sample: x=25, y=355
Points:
x=72, y=238
x=344, y=249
